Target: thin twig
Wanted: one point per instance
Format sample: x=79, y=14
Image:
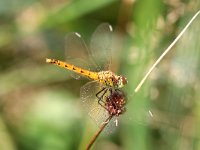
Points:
x=165, y=52
x=98, y=132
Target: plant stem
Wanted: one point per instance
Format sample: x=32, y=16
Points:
x=98, y=132
x=165, y=52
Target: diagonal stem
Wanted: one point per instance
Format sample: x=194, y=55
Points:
x=98, y=132
x=165, y=52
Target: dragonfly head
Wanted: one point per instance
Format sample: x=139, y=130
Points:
x=121, y=81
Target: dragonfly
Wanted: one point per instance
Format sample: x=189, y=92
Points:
x=102, y=95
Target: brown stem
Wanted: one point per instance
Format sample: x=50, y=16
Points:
x=98, y=132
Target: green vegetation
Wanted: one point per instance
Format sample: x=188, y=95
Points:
x=40, y=106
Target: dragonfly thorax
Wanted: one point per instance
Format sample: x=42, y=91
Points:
x=108, y=78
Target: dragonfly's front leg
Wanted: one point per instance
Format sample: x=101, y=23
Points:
x=98, y=94
x=100, y=97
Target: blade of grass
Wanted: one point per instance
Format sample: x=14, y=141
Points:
x=165, y=52
x=73, y=11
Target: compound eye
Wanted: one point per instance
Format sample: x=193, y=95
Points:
x=124, y=80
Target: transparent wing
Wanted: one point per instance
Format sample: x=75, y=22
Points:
x=77, y=53
x=101, y=46
x=112, y=125
x=142, y=117
x=90, y=102
x=94, y=109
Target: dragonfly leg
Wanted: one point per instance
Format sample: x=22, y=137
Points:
x=118, y=90
x=97, y=95
x=100, y=98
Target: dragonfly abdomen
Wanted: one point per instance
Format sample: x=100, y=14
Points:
x=87, y=73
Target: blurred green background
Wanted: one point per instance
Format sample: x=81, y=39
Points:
x=40, y=108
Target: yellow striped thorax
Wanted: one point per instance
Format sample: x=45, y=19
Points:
x=109, y=78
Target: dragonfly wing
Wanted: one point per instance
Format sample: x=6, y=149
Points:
x=113, y=124
x=76, y=52
x=101, y=46
x=90, y=102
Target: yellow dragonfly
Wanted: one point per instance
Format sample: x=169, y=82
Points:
x=100, y=95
